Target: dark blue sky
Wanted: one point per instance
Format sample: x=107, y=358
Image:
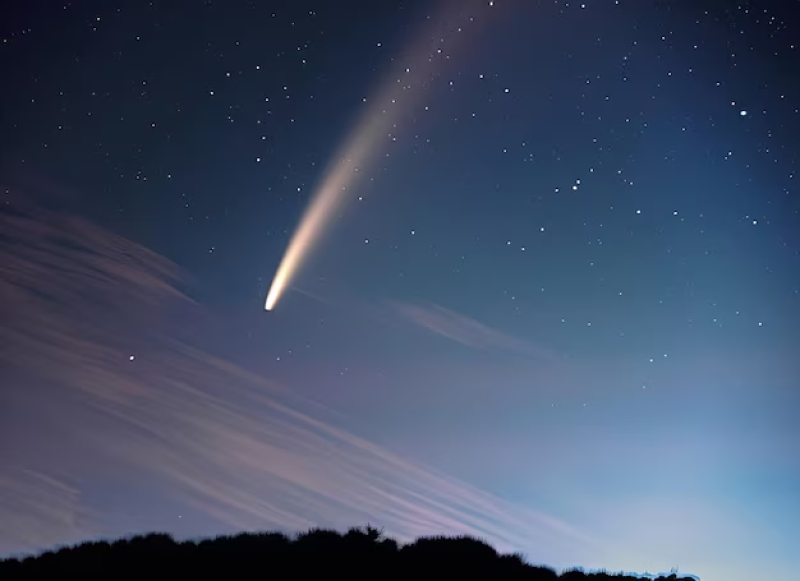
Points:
x=570, y=280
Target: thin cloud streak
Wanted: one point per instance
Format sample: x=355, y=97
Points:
x=466, y=330
x=240, y=449
x=36, y=509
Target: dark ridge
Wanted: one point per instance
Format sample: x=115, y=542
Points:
x=361, y=553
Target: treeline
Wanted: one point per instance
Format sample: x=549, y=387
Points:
x=361, y=553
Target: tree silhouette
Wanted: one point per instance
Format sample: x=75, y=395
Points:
x=360, y=553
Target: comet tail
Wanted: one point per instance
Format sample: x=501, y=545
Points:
x=395, y=98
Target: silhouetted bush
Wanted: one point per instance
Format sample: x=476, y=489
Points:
x=360, y=553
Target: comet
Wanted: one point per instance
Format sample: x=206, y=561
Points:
x=396, y=97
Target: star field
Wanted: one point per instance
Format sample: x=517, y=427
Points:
x=574, y=250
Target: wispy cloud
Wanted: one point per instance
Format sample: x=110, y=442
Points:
x=466, y=330
x=36, y=509
x=77, y=301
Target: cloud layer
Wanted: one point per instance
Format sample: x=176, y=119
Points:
x=91, y=337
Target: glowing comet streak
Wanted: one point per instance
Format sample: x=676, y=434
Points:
x=361, y=149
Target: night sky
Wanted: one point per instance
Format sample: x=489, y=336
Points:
x=558, y=307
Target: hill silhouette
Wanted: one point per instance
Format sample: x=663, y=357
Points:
x=361, y=553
